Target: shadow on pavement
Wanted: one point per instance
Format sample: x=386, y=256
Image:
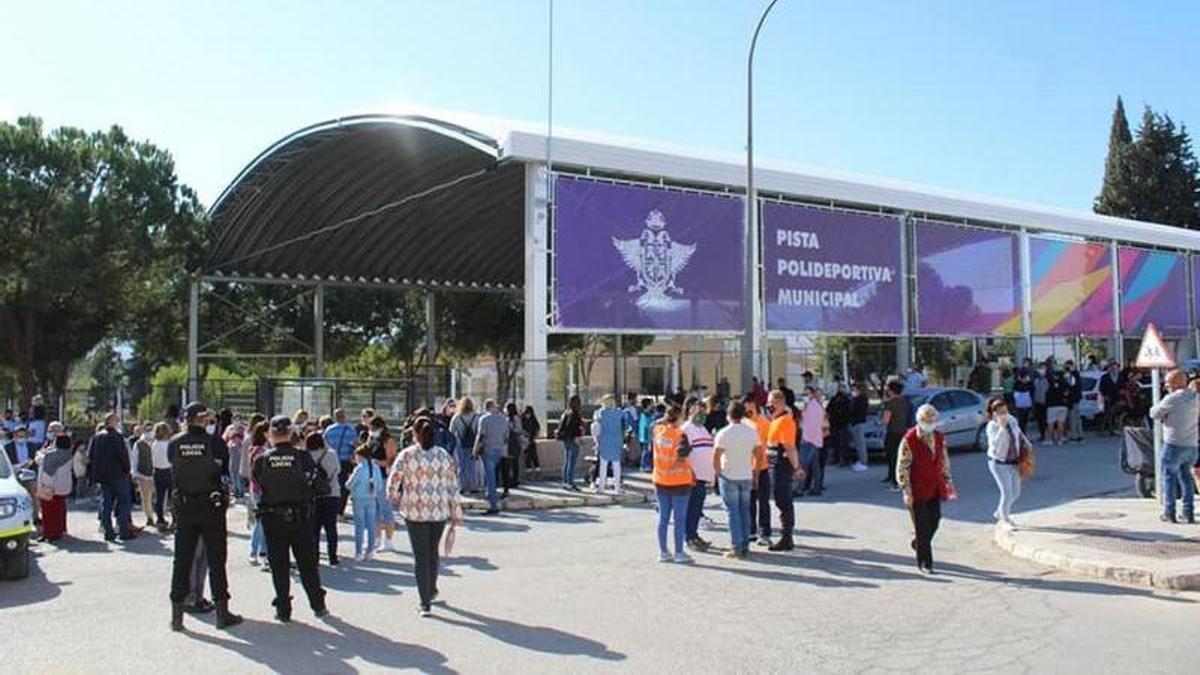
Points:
x=877, y=565
x=299, y=647
x=493, y=524
x=369, y=576
x=534, y=638
x=31, y=590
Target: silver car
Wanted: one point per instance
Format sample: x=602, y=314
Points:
x=961, y=413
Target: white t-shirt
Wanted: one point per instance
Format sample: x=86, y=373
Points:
x=738, y=442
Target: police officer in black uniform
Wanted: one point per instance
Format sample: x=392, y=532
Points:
x=198, y=463
x=287, y=477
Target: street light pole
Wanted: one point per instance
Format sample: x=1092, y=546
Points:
x=750, y=290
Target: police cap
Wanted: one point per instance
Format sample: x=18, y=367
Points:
x=194, y=410
x=281, y=424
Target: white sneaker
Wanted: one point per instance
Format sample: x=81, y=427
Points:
x=360, y=556
x=765, y=541
x=683, y=558
x=664, y=557
x=858, y=467
x=706, y=522
x=254, y=561
x=1010, y=525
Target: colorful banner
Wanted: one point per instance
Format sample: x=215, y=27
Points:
x=642, y=258
x=831, y=271
x=1072, y=287
x=1153, y=289
x=968, y=281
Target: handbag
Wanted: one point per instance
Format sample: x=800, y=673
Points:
x=45, y=486
x=1026, y=462
x=1022, y=399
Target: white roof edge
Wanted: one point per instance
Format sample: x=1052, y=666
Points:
x=526, y=141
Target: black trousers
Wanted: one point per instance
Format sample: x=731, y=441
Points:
x=425, y=538
x=925, y=516
x=782, y=473
x=531, y=456
x=325, y=518
x=193, y=522
x=286, y=535
x=1039, y=414
x=891, y=448
x=343, y=476
x=760, y=505
x=508, y=472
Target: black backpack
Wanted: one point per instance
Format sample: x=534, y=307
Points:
x=320, y=479
x=468, y=433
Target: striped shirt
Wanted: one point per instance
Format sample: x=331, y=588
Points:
x=701, y=456
x=427, y=483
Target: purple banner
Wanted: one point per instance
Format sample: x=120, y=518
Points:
x=1153, y=289
x=831, y=271
x=631, y=257
x=968, y=281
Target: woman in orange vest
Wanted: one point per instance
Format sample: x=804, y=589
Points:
x=673, y=480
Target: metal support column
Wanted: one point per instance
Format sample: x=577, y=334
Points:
x=193, y=382
x=1119, y=352
x=1026, y=296
x=537, y=280
x=618, y=367
x=431, y=348
x=319, y=331
x=904, y=341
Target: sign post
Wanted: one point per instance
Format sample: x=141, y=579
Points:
x=1155, y=355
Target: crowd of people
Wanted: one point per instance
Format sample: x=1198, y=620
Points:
x=758, y=452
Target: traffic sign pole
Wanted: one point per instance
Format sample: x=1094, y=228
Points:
x=1155, y=397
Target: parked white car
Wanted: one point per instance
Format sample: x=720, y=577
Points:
x=16, y=523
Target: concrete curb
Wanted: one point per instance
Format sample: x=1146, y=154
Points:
x=1093, y=567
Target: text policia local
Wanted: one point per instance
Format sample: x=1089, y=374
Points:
x=865, y=276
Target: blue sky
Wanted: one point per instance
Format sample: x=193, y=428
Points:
x=1010, y=99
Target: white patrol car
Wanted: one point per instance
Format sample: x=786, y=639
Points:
x=16, y=523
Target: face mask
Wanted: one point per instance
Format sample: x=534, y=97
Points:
x=210, y=429
x=148, y=436
x=699, y=418
x=375, y=435
x=927, y=427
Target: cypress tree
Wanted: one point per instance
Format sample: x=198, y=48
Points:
x=1163, y=169
x=1114, y=197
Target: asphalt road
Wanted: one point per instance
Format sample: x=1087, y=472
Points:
x=578, y=591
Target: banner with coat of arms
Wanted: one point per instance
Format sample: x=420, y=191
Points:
x=630, y=257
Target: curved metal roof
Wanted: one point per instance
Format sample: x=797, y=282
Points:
x=375, y=199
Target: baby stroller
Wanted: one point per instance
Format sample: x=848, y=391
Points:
x=1137, y=458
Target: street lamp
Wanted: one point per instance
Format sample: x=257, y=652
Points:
x=749, y=294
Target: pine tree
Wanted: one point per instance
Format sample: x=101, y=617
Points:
x=1114, y=198
x=1163, y=169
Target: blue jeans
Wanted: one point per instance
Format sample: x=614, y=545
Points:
x=810, y=459
x=736, y=495
x=695, y=509
x=116, y=496
x=570, y=459
x=258, y=541
x=491, y=460
x=364, y=523
x=1177, y=464
x=647, y=463
x=1009, y=482
x=235, y=474
x=668, y=504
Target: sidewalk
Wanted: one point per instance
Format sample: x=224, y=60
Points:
x=1117, y=538
x=636, y=489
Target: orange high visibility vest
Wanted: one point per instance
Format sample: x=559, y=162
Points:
x=669, y=471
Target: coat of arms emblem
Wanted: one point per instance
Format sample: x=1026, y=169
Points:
x=656, y=260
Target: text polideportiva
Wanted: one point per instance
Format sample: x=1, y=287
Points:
x=812, y=269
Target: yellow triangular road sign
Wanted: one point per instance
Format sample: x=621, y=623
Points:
x=1154, y=353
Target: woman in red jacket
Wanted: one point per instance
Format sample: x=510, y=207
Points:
x=923, y=474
